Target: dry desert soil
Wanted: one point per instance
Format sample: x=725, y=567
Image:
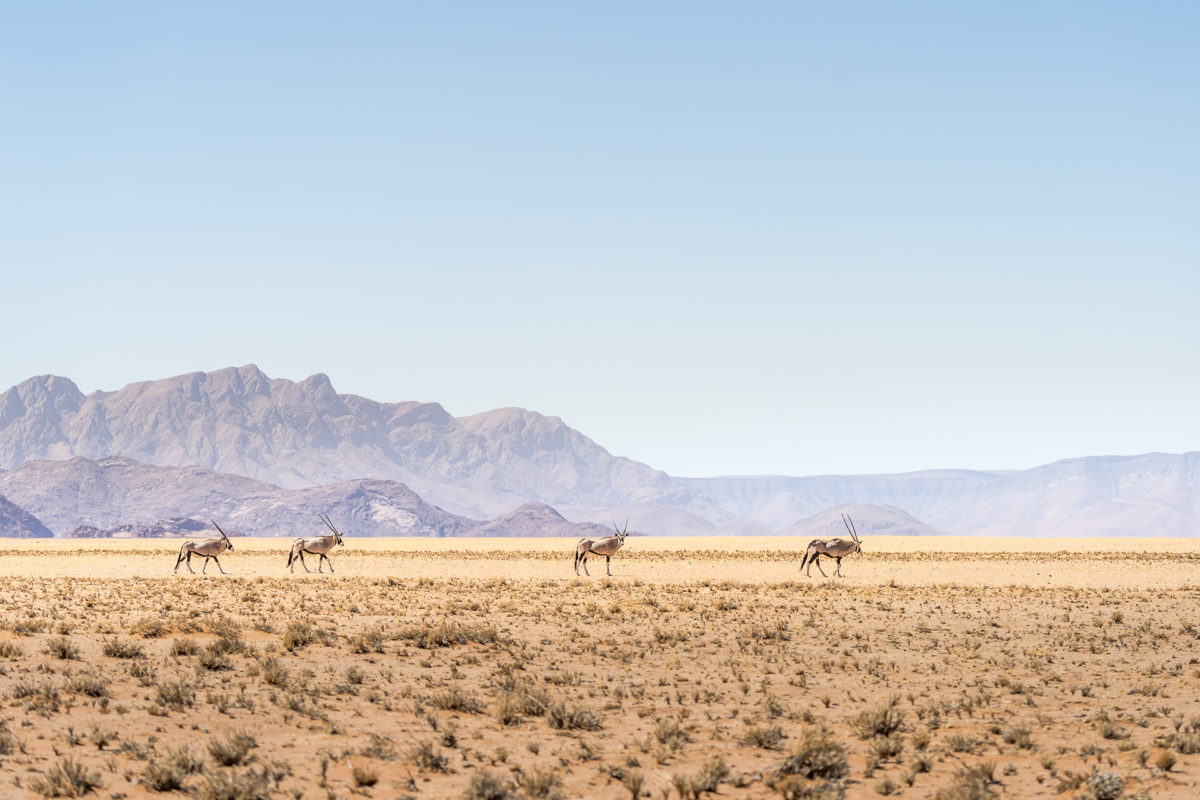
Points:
x=948, y=668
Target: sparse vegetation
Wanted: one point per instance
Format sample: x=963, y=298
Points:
x=532, y=688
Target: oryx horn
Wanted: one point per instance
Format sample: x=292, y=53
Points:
x=851, y=528
x=218, y=527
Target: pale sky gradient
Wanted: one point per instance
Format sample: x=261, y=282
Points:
x=729, y=238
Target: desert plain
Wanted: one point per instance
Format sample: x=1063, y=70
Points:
x=937, y=667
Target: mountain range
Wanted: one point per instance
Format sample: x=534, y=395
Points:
x=267, y=452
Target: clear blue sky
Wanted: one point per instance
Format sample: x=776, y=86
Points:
x=718, y=238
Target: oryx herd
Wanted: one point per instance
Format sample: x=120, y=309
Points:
x=313, y=545
x=605, y=546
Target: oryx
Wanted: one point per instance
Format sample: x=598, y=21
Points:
x=316, y=545
x=209, y=548
x=605, y=546
x=834, y=548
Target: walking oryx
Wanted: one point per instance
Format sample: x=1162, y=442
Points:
x=209, y=548
x=601, y=547
x=834, y=548
x=316, y=545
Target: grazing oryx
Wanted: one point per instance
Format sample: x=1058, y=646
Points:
x=316, y=545
x=209, y=548
x=601, y=547
x=834, y=548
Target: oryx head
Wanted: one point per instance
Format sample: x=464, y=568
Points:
x=228, y=544
x=620, y=532
x=325, y=519
x=849, y=523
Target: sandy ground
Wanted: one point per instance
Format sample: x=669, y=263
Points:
x=1116, y=563
x=937, y=667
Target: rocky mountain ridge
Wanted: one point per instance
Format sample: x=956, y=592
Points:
x=304, y=434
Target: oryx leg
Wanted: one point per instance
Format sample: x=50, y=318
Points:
x=204, y=569
x=223, y=572
x=179, y=560
x=607, y=567
x=189, y=563
x=300, y=555
x=817, y=560
x=583, y=560
x=838, y=571
x=322, y=560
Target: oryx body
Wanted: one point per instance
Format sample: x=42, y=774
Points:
x=317, y=546
x=209, y=548
x=836, y=549
x=604, y=546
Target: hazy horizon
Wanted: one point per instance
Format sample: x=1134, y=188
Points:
x=768, y=240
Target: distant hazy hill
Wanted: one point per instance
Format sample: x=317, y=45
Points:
x=869, y=520
x=119, y=496
x=538, y=519
x=279, y=433
x=17, y=523
x=1148, y=495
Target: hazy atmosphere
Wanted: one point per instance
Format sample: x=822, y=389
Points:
x=717, y=239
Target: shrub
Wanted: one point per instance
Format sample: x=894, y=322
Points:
x=273, y=672
x=9, y=743
x=185, y=647
x=455, y=699
x=246, y=784
x=62, y=647
x=426, y=756
x=177, y=695
x=150, y=628
x=168, y=774
x=1103, y=786
x=232, y=750
x=367, y=642
x=882, y=721
x=768, y=738
x=571, y=716
x=1019, y=736
x=101, y=736
x=364, y=776
x=67, y=778
x=487, y=786
x=819, y=755
x=88, y=684
x=115, y=648
x=299, y=635
x=542, y=785
x=971, y=783
x=214, y=659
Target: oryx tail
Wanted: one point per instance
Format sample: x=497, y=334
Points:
x=809, y=552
